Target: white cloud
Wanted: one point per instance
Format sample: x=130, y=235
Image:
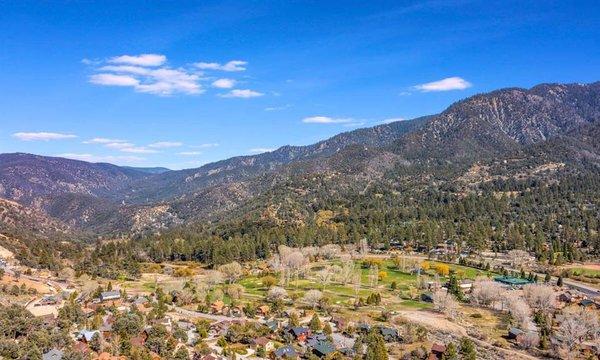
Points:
x=242, y=93
x=144, y=74
x=165, y=144
x=141, y=60
x=101, y=140
x=138, y=150
x=326, y=120
x=233, y=65
x=205, y=146
x=42, y=136
x=99, y=158
x=114, y=80
x=451, y=83
x=277, y=108
x=190, y=153
x=118, y=145
x=391, y=120
x=261, y=150
x=224, y=83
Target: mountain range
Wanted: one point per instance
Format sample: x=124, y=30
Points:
x=542, y=132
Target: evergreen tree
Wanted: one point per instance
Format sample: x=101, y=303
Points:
x=451, y=353
x=315, y=323
x=375, y=347
x=467, y=349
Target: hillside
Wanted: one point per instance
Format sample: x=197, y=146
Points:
x=545, y=132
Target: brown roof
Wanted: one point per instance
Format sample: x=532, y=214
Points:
x=262, y=341
x=438, y=348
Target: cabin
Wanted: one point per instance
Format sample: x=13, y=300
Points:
x=427, y=297
x=340, y=323
x=587, y=303
x=437, y=351
x=48, y=300
x=87, y=335
x=514, y=333
x=110, y=295
x=323, y=348
x=285, y=352
x=265, y=343
x=300, y=333
x=512, y=281
x=388, y=334
x=273, y=325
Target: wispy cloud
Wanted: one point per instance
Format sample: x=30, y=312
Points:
x=128, y=147
x=261, y=150
x=42, y=136
x=447, y=84
x=101, y=140
x=141, y=60
x=165, y=144
x=391, y=120
x=224, y=83
x=204, y=146
x=242, y=93
x=233, y=65
x=146, y=74
x=326, y=120
x=190, y=153
x=278, y=108
x=102, y=158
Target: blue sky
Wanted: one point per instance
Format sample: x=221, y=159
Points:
x=183, y=83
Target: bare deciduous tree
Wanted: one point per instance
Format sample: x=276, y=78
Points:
x=214, y=277
x=576, y=325
x=485, y=292
x=518, y=258
x=520, y=311
x=276, y=293
x=312, y=298
x=330, y=251
x=444, y=302
x=540, y=297
x=231, y=271
x=345, y=272
x=324, y=276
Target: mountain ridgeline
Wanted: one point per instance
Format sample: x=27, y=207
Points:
x=511, y=150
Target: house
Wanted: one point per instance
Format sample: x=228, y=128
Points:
x=363, y=328
x=514, y=333
x=340, y=323
x=263, y=310
x=437, y=350
x=217, y=307
x=265, y=343
x=314, y=339
x=587, y=303
x=48, y=300
x=208, y=357
x=323, y=348
x=565, y=297
x=110, y=295
x=300, y=333
x=87, y=335
x=139, y=340
x=388, y=334
x=341, y=341
x=272, y=324
x=285, y=352
x=53, y=354
x=466, y=285
x=427, y=297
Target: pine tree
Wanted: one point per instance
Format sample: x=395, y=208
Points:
x=560, y=281
x=451, y=353
x=467, y=349
x=315, y=323
x=376, y=347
